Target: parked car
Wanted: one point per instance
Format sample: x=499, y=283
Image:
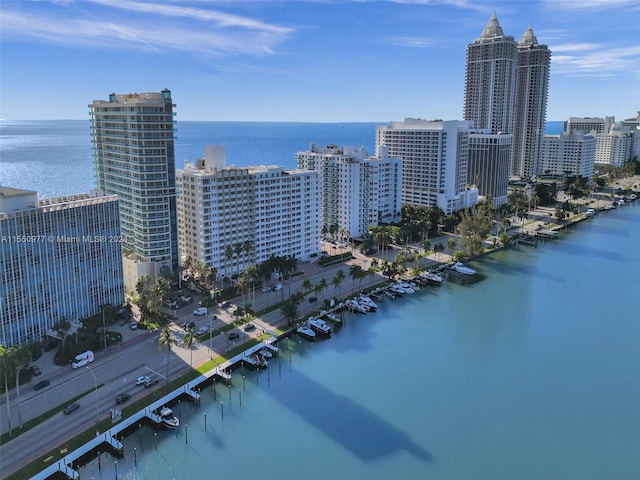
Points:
x=225, y=304
x=71, y=408
x=277, y=287
x=233, y=336
x=35, y=371
x=313, y=299
x=133, y=325
x=36, y=354
x=202, y=330
x=122, y=397
x=189, y=324
x=266, y=289
x=142, y=380
x=249, y=327
x=41, y=384
x=150, y=383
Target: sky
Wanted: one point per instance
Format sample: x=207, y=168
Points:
x=304, y=60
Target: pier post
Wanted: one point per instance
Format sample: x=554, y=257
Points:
x=240, y=396
x=268, y=377
x=214, y=388
x=205, y=421
x=244, y=386
x=155, y=435
x=99, y=466
x=222, y=405
x=229, y=392
x=279, y=369
x=186, y=433
x=115, y=463
x=135, y=457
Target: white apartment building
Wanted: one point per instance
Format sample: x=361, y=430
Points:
x=358, y=190
x=614, y=147
x=588, y=124
x=434, y=161
x=59, y=257
x=568, y=153
x=230, y=217
x=133, y=142
x=633, y=124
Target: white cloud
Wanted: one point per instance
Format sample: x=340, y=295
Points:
x=416, y=42
x=141, y=26
x=586, y=59
x=583, y=6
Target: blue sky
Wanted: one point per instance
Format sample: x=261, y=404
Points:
x=322, y=60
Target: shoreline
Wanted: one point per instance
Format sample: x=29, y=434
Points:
x=380, y=280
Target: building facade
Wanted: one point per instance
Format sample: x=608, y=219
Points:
x=588, y=124
x=489, y=165
x=530, y=112
x=614, y=147
x=231, y=217
x=134, y=155
x=568, y=153
x=633, y=124
x=434, y=161
x=59, y=257
x=358, y=190
x=490, y=79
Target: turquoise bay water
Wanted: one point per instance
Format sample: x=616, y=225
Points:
x=529, y=373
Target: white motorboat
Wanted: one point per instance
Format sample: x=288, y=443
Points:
x=433, y=277
x=356, y=306
x=334, y=317
x=168, y=418
x=389, y=294
x=462, y=268
x=590, y=212
x=306, y=332
x=367, y=302
x=319, y=326
x=266, y=353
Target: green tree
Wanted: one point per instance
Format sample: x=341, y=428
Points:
x=337, y=280
x=166, y=341
x=451, y=245
x=20, y=358
x=6, y=364
x=189, y=339
x=474, y=228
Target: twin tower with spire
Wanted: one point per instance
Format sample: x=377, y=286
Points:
x=506, y=88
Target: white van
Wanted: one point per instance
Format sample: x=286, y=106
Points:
x=200, y=311
x=277, y=287
x=83, y=359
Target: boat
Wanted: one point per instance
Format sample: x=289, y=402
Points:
x=462, y=268
x=306, y=332
x=333, y=317
x=590, y=212
x=266, y=353
x=389, y=293
x=621, y=202
x=356, y=306
x=433, y=277
x=319, y=326
x=258, y=360
x=367, y=302
x=611, y=206
x=168, y=418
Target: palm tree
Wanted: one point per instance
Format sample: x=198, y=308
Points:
x=354, y=273
x=323, y=285
x=338, y=279
x=252, y=275
x=6, y=360
x=426, y=245
x=238, y=248
x=188, y=340
x=451, y=245
x=247, y=248
x=438, y=248
x=228, y=255
x=166, y=341
x=21, y=358
x=324, y=231
x=307, y=285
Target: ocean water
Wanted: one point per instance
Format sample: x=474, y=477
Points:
x=55, y=157
x=531, y=372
